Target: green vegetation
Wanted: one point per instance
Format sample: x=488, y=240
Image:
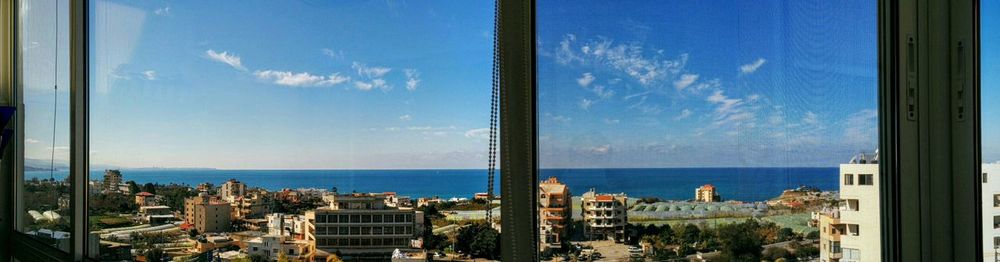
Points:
x=479, y=241
x=740, y=241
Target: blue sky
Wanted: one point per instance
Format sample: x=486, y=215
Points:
x=716, y=83
x=402, y=84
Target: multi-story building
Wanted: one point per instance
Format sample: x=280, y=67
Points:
x=208, y=213
x=361, y=224
x=248, y=206
x=555, y=210
x=112, y=180
x=604, y=215
x=146, y=199
x=706, y=193
x=204, y=187
x=232, y=189
x=272, y=247
x=854, y=228
x=991, y=211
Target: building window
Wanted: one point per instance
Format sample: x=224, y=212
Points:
x=866, y=180
x=848, y=179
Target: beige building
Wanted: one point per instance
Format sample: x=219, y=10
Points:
x=232, y=189
x=555, y=209
x=208, y=213
x=248, y=206
x=112, y=180
x=361, y=224
x=991, y=211
x=851, y=233
x=604, y=215
x=706, y=193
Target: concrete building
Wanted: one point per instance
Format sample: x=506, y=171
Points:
x=991, y=212
x=208, y=213
x=706, y=193
x=112, y=181
x=361, y=225
x=146, y=199
x=248, y=206
x=286, y=225
x=274, y=246
x=232, y=189
x=604, y=215
x=852, y=232
x=555, y=211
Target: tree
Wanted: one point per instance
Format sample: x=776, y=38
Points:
x=149, y=187
x=132, y=187
x=486, y=244
x=807, y=252
x=785, y=234
x=813, y=235
x=193, y=233
x=741, y=241
x=775, y=253
x=667, y=234
x=688, y=234
x=154, y=255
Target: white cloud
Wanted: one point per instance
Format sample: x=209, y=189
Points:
x=860, y=128
x=331, y=53
x=585, y=79
x=375, y=83
x=585, y=103
x=602, y=92
x=300, y=79
x=370, y=72
x=630, y=58
x=810, y=118
x=685, y=80
x=149, y=74
x=412, y=79
x=226, y=58
x=31, y=141
x=602, y=149
x=684, y=114
x=405, y=117
x=752, y=67
x=558, y=118
x=611, y=121
x=482, y=133
x=162, y=11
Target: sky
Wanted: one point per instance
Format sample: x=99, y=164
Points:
x=405, y=84
x=706, y=83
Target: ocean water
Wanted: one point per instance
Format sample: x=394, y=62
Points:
x=745, y=184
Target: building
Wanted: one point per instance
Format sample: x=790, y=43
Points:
x=361, y=225
x=145, y=199
x=706, y=193
x=232, y=189
x=852, y=231
x=555, y=211
x=423, y=201
x=208, y=213
x=991, y=211
x=248, y=206
x=274, y=246
x=205, y=187
x=286, y=225
x=604, y=215
x=112, y=180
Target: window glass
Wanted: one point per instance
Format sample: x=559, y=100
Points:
x=253, y=121
x=44, y=197
x=990, y=123
x=674, y=128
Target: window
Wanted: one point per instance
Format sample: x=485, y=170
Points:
x=670, y=112
x=990, y=126
x=866, y=180
x=225, y=104
x=44, y=78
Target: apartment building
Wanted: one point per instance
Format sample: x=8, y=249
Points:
x=991, y=211
x=851, y=232
x=604, y=215
x=112, y=180
x=232, y=189
x=706, y=193
x=555, y=209
x=208, y=213
x=361, y=224
x=248, y=206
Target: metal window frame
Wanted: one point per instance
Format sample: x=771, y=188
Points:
x=925, y=206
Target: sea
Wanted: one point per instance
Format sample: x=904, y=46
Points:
x=743, y=184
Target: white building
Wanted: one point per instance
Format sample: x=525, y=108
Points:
x=991, y=211
x=852, y=233
x=286, y=225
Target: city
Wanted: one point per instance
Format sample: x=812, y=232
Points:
x=235, y=221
